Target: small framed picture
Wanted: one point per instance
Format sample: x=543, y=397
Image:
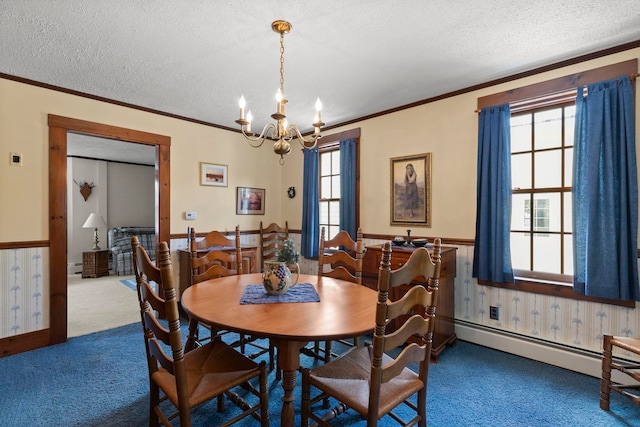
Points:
x=411, y=190
x=249, y=201
x=215, y=175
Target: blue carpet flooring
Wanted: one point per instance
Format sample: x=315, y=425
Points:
x=101, y=380
x=129, y=283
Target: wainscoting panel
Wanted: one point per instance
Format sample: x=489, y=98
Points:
x=571, y=324
x=24, y=290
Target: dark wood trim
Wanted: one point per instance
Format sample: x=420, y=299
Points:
x=23, y=245
x=337, y=137
x=58, y=128
x=111, y=101
x=550, y=67
x=560, y=84
x=112, y=161
x=24, y=342
x=557, y=290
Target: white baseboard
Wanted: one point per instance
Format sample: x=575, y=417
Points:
x=541, y=351
x=74, y=268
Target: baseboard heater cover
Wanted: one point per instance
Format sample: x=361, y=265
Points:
x=582, y=361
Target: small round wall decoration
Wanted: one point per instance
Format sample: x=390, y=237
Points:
x=291, y=192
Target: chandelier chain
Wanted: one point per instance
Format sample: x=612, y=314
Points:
x=282, y=63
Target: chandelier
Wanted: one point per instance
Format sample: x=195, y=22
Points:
x=281, y=132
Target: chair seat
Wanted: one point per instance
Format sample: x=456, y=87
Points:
x=211, y=370
x=347, y=379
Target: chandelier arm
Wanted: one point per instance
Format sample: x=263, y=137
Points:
x=302, y=140
x=260, y=138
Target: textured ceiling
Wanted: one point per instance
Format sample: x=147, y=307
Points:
x=195, y=58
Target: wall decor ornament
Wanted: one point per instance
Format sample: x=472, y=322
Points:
x=411, y=190
x=85, y=188
x=291, y=192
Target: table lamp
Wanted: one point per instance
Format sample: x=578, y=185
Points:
x=95, y=221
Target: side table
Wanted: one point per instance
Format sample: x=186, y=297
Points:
x=95, y=263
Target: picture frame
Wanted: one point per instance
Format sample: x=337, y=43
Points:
x=213, y=175
x=411, y=192
x=250, y=201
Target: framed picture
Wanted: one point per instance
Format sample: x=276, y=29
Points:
x=411, y=190
x=211, y=174
x=249, y=201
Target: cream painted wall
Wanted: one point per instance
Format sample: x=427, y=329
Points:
x=23, y=129
x=447, y=129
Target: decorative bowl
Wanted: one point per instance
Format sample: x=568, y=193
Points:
x=419, y=242
x=398, y=241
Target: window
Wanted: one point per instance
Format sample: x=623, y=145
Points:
x=329, y=167
x=536, y=223
x=541, y=173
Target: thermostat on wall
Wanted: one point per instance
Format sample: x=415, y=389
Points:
x=190, y=215
x=15, y=159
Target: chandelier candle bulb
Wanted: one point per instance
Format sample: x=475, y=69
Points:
x=242, y=103
x=249, y=118
x=318, y=109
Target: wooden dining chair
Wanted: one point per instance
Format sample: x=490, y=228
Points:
x=340, y=258
x=271, y=241
x=213, y=264
x=629, y=388
x=188, y=379
x=368, y=380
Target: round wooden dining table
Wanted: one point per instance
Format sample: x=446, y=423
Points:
x=345, y=310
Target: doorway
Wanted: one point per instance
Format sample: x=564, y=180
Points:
x=58, y=129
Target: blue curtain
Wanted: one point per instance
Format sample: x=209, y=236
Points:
x=492, y=255
x=348, y=186
x=605, y=192
x=310, y=239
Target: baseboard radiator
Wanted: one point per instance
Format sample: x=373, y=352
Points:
x=578, y=360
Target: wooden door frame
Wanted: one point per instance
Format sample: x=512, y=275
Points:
x=58, y=128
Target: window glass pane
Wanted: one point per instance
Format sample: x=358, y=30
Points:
x=568, y=167
x=325, y=163
x=546, y=212
x=333, y=231
x=334, y=212
x=546, y=253
x=335, y=187
x=568, y=212
x=548, y=172
x=569, y=125
x=520, y=212
x=335, y=162
x=521, y=133
x=568, y=255
x=521, y=171
x=547, y=128
x=325, y=187
x=324, y=212
x=520, y=252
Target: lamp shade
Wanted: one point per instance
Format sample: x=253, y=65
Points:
x=95, y=221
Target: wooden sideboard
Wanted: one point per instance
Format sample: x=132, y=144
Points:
x=249, y=262
x=444, y=333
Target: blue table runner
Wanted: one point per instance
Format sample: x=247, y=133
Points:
x=302, y=292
